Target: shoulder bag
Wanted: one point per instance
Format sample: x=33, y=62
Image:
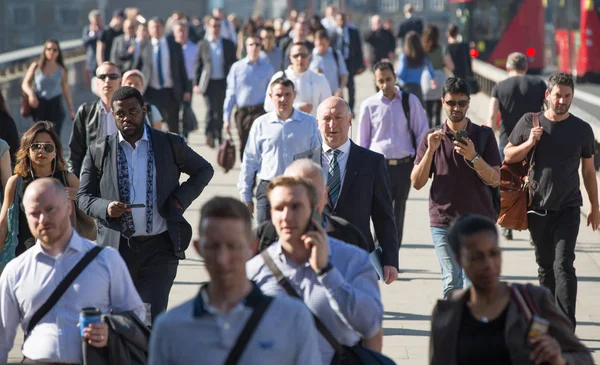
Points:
x=12, y=236
x=516, y=193
x=344, y=355
x=226, y=154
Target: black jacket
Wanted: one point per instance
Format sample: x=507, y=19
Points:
x=342, y=230
x=85, y=131
x=204, y=63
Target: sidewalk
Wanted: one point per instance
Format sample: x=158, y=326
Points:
x=409, y=301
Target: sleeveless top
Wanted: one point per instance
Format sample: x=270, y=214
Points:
x=4, y=148
x=48, y=87
x=437, y=59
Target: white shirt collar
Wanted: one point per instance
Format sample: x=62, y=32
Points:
x=102, y=108
x=156, y=41
x=144, y=136
x=345, y=148
x=292, y=117
x=74, y=243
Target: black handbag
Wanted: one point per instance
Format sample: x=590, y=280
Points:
x=344, y=355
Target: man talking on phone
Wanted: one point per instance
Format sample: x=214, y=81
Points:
x=450, y=155
x=335, y=279
x=135, y=196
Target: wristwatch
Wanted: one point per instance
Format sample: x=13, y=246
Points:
x=476, y=159
x=325, y=270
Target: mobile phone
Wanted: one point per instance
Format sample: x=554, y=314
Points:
x=538, y=327
x=461, y=136
x=136, y=205
x=315, y=217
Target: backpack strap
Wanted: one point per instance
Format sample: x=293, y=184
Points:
x=175, y=141
x=406, y=108
x=337, y=63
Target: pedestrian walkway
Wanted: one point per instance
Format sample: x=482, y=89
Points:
x=409, y=301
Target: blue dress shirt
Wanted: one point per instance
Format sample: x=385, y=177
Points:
x=272, y=144
x=331, y=69
x=27, y=282
x=346, y=299
x=246, y=84
x=216, y=59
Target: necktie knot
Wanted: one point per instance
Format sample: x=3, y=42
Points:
x=336, y=153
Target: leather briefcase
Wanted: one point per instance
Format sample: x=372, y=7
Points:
x=226, y=154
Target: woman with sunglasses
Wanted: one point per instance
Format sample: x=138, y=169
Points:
x=49, y=77
x=40, y=155
x=488, y=323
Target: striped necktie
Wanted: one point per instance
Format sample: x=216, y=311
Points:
x=334, y=178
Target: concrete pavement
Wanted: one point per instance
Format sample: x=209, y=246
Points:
x=409, y=301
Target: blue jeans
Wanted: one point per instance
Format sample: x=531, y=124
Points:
x=453, y=277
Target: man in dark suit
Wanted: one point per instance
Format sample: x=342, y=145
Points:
x=135, y=196
x=123, y=50
x=214, y=60
x=346, y=39
x=410, y=23
x=168, y=85
x=357, y=181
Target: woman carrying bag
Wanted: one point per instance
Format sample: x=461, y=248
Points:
x=490, y=322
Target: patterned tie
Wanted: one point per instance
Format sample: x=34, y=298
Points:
x=161, y=77
x=334, y=178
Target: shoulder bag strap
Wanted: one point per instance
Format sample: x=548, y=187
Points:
x=521, y=296
x=248, y=331
x=535, y=122
x=62, y=288
x=283, y=281
x=406, y=108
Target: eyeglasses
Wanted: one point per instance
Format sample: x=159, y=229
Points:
x=52, y=49
x=298, y=55
x=46, y=146
x=453, y=103
x=110, y=76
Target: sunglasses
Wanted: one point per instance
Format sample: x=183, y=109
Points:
x=298, y=55
x=47, y=147
x=453, y=103
x=110, y=76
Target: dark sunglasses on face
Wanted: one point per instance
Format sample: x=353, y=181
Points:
x=298, y=55
x=110, y=76
x=453, y=103
x=47, y=147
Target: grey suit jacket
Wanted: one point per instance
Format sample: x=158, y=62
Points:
x=144, y=61
x=97, y=191
x=365, y=194
x=119, y=53
x=204, y=64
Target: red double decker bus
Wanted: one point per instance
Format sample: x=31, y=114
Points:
x=496, y=28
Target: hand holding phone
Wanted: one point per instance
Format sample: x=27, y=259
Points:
x=461, y=136
x=315, y=217
x=136, y=206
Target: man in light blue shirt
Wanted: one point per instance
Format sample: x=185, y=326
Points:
x=273, y=141
x=329, y=62
x=270, y=50
x=247, y=83
x=28, y=281
x=336, y=280
x=181, y=34
x=206, y=328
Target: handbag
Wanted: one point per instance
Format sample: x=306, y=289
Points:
x=25, y=109
x=344, y=355
x=516, y=194
x=226, y=154
x=83, y=223
x=12, y=237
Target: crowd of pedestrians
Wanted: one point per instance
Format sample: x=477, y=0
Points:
x=103, y=231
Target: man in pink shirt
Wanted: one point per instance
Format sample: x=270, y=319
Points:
x=384, y=128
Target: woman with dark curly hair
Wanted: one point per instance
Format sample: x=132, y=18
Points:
x=40, y=155
x=50, y=85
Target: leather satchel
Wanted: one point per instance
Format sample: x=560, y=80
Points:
x=25, y=109
x=516, y=194
x=226, y=154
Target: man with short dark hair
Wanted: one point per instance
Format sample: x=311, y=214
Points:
x=560, y=142
x=461, y=176
x=211, y=322
x=130, y=184
x=514, y=97
x=289, y=132
x=28, y=281
x=270, y=51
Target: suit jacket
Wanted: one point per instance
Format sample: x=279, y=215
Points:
x=342, y=230
x=204, y=63
x=96, y=192
x=144, y=62
x=178, y=71
x=119, y=54
x=447, y=316
x=356, y=59
x=366, y=193
x=84, y=132
x=413, y=23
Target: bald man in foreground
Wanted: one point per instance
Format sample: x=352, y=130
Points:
x=28, y=281
x=357, y=181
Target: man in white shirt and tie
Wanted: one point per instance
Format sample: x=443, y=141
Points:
x=168, y=84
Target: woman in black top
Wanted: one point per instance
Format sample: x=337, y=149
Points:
x=40, y=155
x=8, y=129
x=483, y=324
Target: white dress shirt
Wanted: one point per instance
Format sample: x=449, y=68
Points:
x=27, y=282
x=137, y=162
x=342, y=158
x=311, y=87
x=108, y=126
x=217, y=71
x=165, y=64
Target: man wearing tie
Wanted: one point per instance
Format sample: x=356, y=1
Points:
x=357, y=181
x=168, y=86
